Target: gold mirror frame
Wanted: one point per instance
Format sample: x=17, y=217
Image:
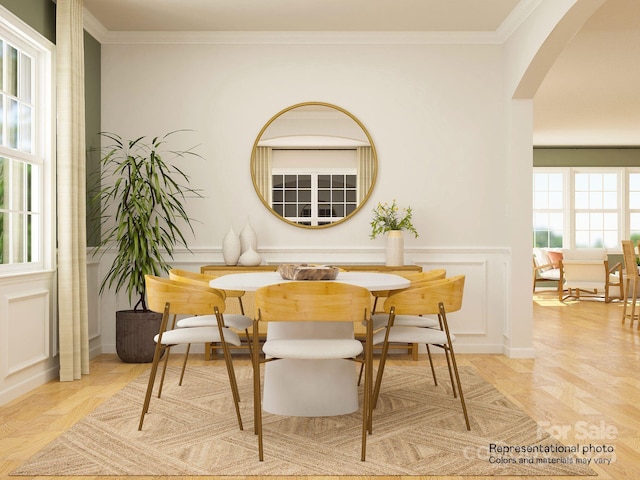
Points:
x=373, y=166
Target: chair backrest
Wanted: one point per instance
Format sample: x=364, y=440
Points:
x=313, y=301
x=541, y=258
x=421, y=277
x=199, y=278
x=184, y=275
x=629, y=255
x=183, y=298
x=425, y=299
x=585, y=265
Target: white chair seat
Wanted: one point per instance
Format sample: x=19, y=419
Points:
x=403, y=334
x=551, y=274
x=233, y=320
x=381, y=319
x=312, y=348
x=197, y=335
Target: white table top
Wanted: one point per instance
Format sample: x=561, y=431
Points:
x=250, y=282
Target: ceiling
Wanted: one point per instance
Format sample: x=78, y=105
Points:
x=589, y=97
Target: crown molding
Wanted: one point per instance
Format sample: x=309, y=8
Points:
x=301, y=38
x=499, y=36
x=516, y=18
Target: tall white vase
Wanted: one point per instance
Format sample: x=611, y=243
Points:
x=231, y=248
x=248, y=238
x=395, y=248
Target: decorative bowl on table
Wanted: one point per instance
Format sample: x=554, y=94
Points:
x=308, y=272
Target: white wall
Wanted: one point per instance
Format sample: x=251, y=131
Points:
x=436, y=115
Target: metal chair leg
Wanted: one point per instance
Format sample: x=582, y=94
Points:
x=184, y=364
x=433, y=370
x=449, y=347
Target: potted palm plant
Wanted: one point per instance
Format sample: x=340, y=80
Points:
x=141, y=216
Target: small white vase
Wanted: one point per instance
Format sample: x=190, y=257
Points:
x=250, y=258
x=231, y=248
x=395, y=248
x=248, y=238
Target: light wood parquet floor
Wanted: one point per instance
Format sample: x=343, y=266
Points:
x=584, y=383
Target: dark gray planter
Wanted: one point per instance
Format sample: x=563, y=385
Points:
x=134, y=335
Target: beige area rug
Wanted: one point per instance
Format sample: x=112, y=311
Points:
x=418, y=430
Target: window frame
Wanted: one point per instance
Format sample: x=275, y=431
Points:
x=629, y=210
x=566, y=222
x=621, y=206
x=42, y=51
x=569, y=211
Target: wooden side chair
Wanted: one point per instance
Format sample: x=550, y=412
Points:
x=187, y=275
x=416, y=279
x=413, y=277
x=177, y=298
x=237, y=321
x=587, y=270
x=381, y=319
x=630, y=280
x=314, y=302
x=546, y=269
x=438, y=297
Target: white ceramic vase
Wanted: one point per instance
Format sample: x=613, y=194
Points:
x=250, y=258
x=395, y=248
x=248, y=238
x=231, y=248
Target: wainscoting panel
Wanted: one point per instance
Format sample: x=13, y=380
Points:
x=28, y=315
x=472, y=318
x=27, y=332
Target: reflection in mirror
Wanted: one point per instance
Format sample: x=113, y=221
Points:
x=313, y=165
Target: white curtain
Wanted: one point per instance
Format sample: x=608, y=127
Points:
x=366, y=171
x=262, y=166
x=71, y=159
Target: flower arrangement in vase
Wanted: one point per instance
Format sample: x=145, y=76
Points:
x=391, y=220
x=389, y=217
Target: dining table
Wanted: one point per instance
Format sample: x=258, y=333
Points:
x=310, y=388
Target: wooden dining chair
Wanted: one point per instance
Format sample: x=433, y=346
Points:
x=237, y=321
x=177, y=298
x=434, y=298
x=629, y=282
x=381, y=319
x=309, y=301
x=416, y=279
x=187, y=275
x=413, y=277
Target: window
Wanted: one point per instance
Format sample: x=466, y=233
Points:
x=596, y=210
x=310, y=197
x=634, y=206
x=585, y=207
x=24, y=92
x=548, y=209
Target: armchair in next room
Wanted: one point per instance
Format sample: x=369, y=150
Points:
x=587, y=270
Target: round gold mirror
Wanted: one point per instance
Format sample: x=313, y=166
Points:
x=313, y=165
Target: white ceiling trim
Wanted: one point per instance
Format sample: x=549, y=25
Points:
x=504, y=31
x=516, y=18
x=285, y=38
x=94, y=27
